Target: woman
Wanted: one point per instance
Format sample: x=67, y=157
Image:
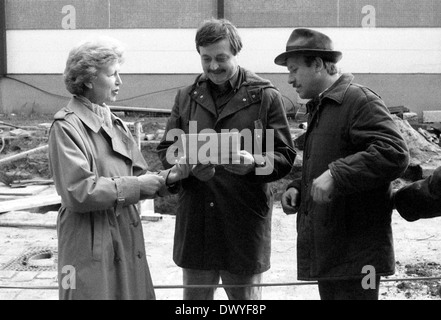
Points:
x=100, y=175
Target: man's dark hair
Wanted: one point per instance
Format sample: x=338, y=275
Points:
x=214, y=30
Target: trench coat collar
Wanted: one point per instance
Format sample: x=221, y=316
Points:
x=201, y=92
x=88, y=116
x=123, y=145
x=82, y=108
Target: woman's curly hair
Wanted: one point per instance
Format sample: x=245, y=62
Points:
x=86, y=59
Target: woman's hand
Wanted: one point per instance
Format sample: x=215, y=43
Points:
x=150, y=184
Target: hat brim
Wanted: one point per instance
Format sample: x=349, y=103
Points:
x=333, y=56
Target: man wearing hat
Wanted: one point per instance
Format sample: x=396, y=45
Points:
x=352, y=152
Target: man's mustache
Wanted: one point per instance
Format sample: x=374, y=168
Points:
x=218, y=71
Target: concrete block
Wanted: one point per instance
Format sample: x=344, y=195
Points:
x=410, y=116
x=432, y=116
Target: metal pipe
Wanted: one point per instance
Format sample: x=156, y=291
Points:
x=220, y=9
x=3, y=53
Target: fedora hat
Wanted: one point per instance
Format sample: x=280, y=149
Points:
x=309, y=42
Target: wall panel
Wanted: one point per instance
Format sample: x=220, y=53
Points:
x=164, y=51
x=122, y=14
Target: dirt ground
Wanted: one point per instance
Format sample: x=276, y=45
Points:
x=417, y=244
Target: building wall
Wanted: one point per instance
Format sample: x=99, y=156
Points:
x=393, y=46
x=46, y=94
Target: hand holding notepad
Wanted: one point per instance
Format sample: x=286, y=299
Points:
x=213, y=148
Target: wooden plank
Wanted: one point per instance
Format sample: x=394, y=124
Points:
x=28, y=191
x=29, y=202
x=23, y=154
x=21, y=219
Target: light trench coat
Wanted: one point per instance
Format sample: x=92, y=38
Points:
x=101, y=251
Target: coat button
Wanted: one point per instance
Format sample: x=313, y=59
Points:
x=139, y=254
x=201, y=97
x=135, y=224
x=128, y=162
x=212, y=204
x=244, y=100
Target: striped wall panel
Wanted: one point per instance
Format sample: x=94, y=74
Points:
x=168, y=51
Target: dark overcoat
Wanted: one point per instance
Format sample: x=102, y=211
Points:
x=350, y=132
x=225, y=223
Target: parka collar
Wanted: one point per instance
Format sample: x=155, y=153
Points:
x=249, y=78
x=338, y=90
x=201, y=92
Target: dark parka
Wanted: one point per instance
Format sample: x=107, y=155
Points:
x=225, y=223
x=99, y=230
x=350, y=132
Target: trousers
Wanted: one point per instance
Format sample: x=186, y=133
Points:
x=212, y=277
x=347, y=290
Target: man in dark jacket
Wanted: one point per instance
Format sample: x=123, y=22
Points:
x=352, y=152
x=223, y=222
x=420, y=199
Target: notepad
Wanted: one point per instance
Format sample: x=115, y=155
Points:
x=214, y=148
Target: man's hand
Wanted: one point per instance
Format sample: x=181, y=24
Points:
x=245, y=166
x=179, y=171
x=150, y=184
x=322, y=188
x=204, y=172
x=289, y=201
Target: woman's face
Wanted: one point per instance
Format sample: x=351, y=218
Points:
x=105, y=87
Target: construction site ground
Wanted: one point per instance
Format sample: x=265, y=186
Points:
x=417, y=244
